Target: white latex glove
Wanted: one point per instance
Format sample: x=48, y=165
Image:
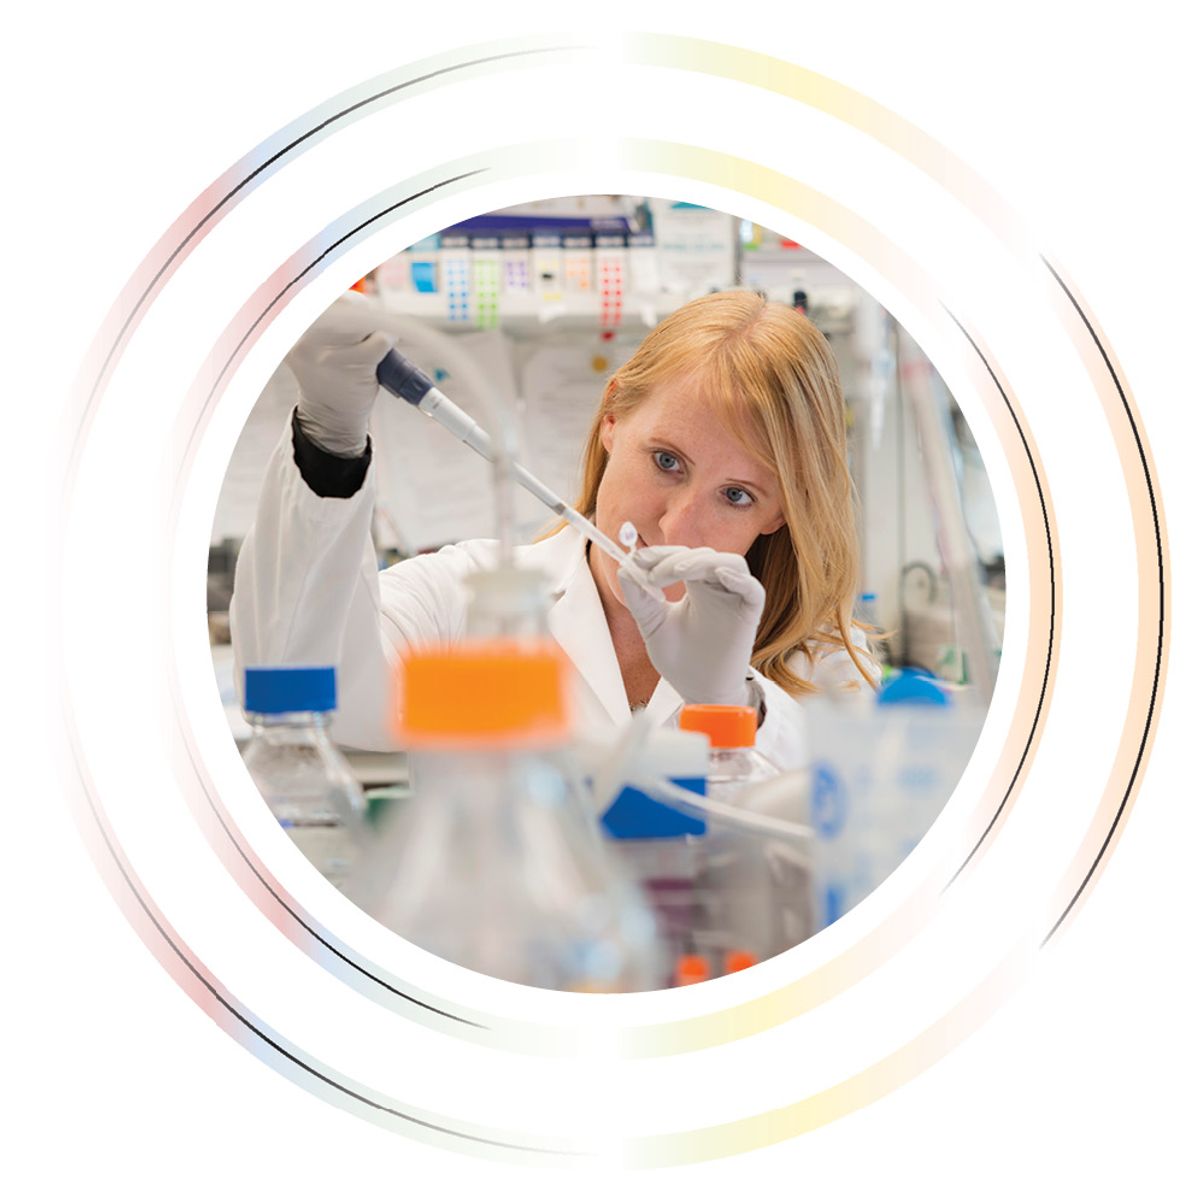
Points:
x=702, y=643
x=334, y=363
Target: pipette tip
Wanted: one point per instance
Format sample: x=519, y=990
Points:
x=606, y=543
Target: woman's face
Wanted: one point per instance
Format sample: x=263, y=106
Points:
x=677, y=473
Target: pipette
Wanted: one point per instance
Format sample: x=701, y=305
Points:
x=399, y=376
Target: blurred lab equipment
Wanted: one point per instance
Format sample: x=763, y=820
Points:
x=715, y=836
x=658, y=843
x=758, y=888
x=931, y=410
x=497, y=863
x=870, y=809
x=305, y=781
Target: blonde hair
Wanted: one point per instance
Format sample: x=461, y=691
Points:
x=769, y=363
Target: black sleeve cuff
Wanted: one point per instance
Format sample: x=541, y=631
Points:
x=326, y=473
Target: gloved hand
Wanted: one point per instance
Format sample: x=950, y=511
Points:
x=702, y=643
x=334, y=363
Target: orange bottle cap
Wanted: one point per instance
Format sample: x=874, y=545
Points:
x=498, y=692
x=690, y=968
x=739, y=959
x=726, y=725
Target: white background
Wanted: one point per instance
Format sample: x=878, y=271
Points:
x=117, y=117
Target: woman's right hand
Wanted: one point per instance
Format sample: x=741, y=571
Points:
x=334, y=363
x=702, y=643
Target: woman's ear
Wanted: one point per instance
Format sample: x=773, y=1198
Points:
x=608, y=422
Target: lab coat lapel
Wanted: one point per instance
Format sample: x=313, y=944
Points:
x=664, y=704
x=578, y=625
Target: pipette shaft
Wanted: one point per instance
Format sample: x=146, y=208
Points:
x=590, y=531
x=400, y=377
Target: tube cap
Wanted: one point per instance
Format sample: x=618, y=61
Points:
x=739, y=959
x=727, y=726
x=271, y=690
x=691, y=968
x=910, y=687
x=497, y=692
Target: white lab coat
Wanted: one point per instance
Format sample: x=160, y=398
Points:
x=307, y=591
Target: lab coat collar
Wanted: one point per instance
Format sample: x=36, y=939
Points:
x=578, y=624
x=665, y=703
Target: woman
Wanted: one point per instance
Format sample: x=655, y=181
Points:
x=722, y=440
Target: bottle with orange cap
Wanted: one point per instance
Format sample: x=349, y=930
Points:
x=497, y=863
x=755, y=888
x=731, y=731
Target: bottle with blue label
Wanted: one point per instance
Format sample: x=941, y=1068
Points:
x=881, y=775
x=305, y=781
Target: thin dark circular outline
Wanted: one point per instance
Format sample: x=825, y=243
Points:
x=1158, y=652
x=1146, y=729
x=1037, y=716
x=367, y=972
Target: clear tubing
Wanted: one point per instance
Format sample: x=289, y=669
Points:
x=618, y=770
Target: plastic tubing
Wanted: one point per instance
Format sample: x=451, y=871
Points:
x=682, y=799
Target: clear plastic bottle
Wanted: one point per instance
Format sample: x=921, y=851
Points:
x=306, y=782
x=733, y=761
x=756, y=888
x=497, y=863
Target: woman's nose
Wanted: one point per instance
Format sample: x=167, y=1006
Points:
x=679, y=523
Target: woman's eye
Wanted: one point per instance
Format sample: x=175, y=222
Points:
x=738, y=497
x=665, y=461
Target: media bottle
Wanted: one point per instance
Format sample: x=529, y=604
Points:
x=306, y=782
x=496, y=863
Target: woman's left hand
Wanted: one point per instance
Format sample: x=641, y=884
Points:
x=702, y=643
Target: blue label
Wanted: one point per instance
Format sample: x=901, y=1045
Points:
x=424, y=276
x=634, y=815
x=828, y=801
x=835, y=903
